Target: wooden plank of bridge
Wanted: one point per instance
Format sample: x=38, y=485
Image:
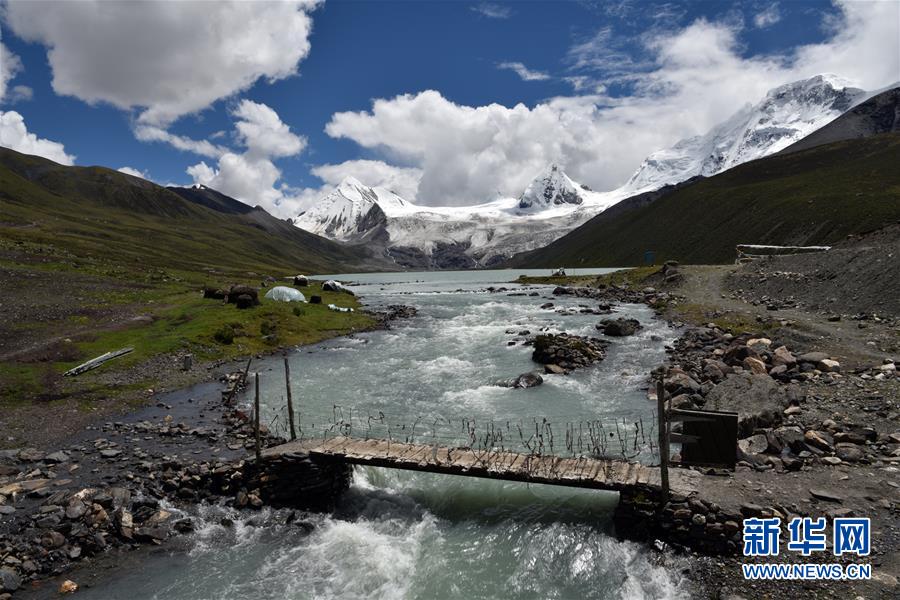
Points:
x=574, y=471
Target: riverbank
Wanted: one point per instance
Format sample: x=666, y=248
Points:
x=432, y=340
x=819, y=404
x=129, y=476
x=789, y=476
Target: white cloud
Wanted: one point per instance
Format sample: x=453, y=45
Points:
x=19, y=93
x=767, y=17
x=493, y=10
x=14, y=134
x=523, y=72
x=374, y=173
x=166, y=59
x=133, y=172
x=150, y=133
x=608, y=53
x=684, y=82
x=10, y=66
x=263, y=133
x=469, y=154
x=249, y=180
x=251, y=176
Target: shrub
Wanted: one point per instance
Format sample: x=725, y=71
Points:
x=298, y=311
x=267, y=327
x=225, y=334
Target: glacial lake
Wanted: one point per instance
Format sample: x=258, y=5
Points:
x=406, y=535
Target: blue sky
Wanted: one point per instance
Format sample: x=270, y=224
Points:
x=601, y=84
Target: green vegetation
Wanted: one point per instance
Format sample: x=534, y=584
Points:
x=92, y=260
x=735, y=323
x=812, y=197
x=85, y=214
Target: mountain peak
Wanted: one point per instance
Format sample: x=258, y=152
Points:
x=350, y=181
x=785, y=115
x=552, y=187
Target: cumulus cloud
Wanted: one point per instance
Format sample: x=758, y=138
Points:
x=261, y=130
x=493, y=10
x=523, y=72
x=165, y=59
x=10, y=66
x=251, y=176
x=249, y=180
x=686, y=81
x=767, y=17
x=14, y=134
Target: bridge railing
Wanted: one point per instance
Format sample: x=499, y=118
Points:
x=568, y=435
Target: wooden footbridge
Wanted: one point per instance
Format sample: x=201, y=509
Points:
x=581, y=472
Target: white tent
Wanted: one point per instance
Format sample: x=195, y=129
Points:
x=282, y=293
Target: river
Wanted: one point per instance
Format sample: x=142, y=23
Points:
x=408, y=535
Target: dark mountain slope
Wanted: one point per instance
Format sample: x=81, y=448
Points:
x=98, y=212
x=210, y=198
x=815, y=196
x=879, y=114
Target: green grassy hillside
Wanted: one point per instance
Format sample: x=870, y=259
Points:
x=95, y=212
x=93, y=260
x=812, y=197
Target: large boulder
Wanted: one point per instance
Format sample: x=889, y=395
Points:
x=245, y=301
x=619, y=327
x=235, y=293
x=525, y=380
x=758, y=400
x=678, y=382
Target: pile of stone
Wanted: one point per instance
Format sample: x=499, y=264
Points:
x=650, y=296
x=688, y=522
x=561, y=353
x=765, y=384
x=393, y=312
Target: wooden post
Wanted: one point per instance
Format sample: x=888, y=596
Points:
x=243, y=381
x=256, y=420
x=290, y=402
x=663, y=438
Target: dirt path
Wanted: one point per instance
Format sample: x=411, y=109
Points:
x=869, y=488
x=856, y=344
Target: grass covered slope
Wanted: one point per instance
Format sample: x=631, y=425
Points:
x=101, y=213
x=812, y=197
x=92, y=260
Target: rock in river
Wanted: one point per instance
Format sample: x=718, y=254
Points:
x=568, y=351
x=619, y=327
x=525, y=380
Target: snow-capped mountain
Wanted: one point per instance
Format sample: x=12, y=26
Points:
x=351, y=210
x=553, y=203
x=551, y=189
x=787, y=114
x=442, y=237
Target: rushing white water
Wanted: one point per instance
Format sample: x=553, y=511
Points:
x=407, y=535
